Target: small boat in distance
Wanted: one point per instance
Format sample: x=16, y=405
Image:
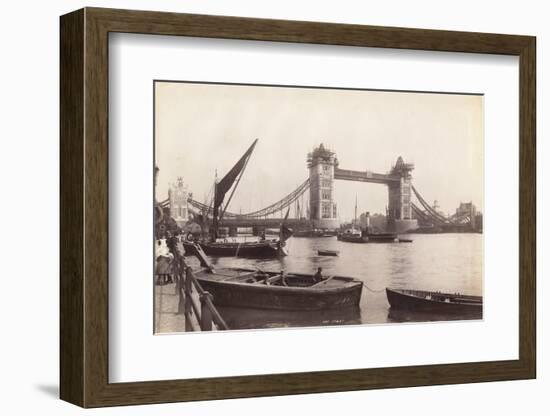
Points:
x=426, y=301
x=314, y=233
x=351, y=235
x=368, y=235
x=404, y=240
x=328, y=252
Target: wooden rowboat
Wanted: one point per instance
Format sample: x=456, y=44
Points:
x=247, y=288
x=328, y=252
x=422, y=300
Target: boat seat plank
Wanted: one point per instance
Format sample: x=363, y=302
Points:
x=328, y=279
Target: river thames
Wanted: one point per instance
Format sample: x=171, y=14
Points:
x=436, y=262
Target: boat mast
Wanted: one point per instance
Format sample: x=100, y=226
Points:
x=355, y=218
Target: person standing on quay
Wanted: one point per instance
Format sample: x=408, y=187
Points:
x=164, y=262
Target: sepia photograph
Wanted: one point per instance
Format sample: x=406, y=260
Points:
x=281, y=206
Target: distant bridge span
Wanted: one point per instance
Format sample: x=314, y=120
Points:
x=264, y=222
x=366, y=176
x=402, y=213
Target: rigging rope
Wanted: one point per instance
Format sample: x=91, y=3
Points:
x=271, y=209
x=373, y=290
x=432, y=212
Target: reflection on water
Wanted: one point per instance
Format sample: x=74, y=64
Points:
x=398, y=315
x=238, y=318
x=439, y=262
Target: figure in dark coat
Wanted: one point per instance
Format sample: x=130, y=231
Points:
x=318, y=277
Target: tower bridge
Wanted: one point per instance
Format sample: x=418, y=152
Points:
x=324, y=170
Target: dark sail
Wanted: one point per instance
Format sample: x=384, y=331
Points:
x=223, y=186
x=286, y=233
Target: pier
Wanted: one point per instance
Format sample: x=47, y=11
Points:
x=184, y=306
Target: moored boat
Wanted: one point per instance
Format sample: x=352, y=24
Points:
x=379, y=237
x=368, y=235
x=363, y=237
x=351, y=235
x=427, y=301
x=314, y=233
x=271, y=248
x=248, y=288
x=322, y=252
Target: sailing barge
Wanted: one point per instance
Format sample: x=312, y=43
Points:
x=271, y=248
x=248, y=288
x=261, y=248
x=426, y=301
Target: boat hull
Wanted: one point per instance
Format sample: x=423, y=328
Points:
x=246, y=249
x=381, y=238
x=261, y=296
x=314, y=234
x=332, y=253
x=416, y=300
x=369, y=238
x=351, y=238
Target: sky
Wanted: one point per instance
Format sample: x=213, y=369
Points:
x=201, y=129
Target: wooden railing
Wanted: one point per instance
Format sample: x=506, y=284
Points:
x=200, y=314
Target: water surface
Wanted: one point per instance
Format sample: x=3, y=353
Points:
x=439, y=262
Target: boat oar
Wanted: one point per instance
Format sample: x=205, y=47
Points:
x=259, y=269
x=323, y=281
x=373, y=290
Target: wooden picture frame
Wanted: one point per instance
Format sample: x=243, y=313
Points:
x=84, y=207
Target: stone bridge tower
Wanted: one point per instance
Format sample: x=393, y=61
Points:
x=399, y=215
x=322, y=207
x=178, y=195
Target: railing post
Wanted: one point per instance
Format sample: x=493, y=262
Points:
x=180, y=292
x=206, y=313
x=188, y=285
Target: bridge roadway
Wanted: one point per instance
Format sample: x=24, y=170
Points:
x=366, y=176
x=267, y=222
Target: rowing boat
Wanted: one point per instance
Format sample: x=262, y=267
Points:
x=322, y=252
x=248, y=288
x=422, y=300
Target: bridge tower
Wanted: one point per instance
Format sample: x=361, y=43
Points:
x=399, y=215
x=178, y=196
x=322, y=208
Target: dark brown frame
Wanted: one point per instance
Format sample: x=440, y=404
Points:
x=84, y=207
